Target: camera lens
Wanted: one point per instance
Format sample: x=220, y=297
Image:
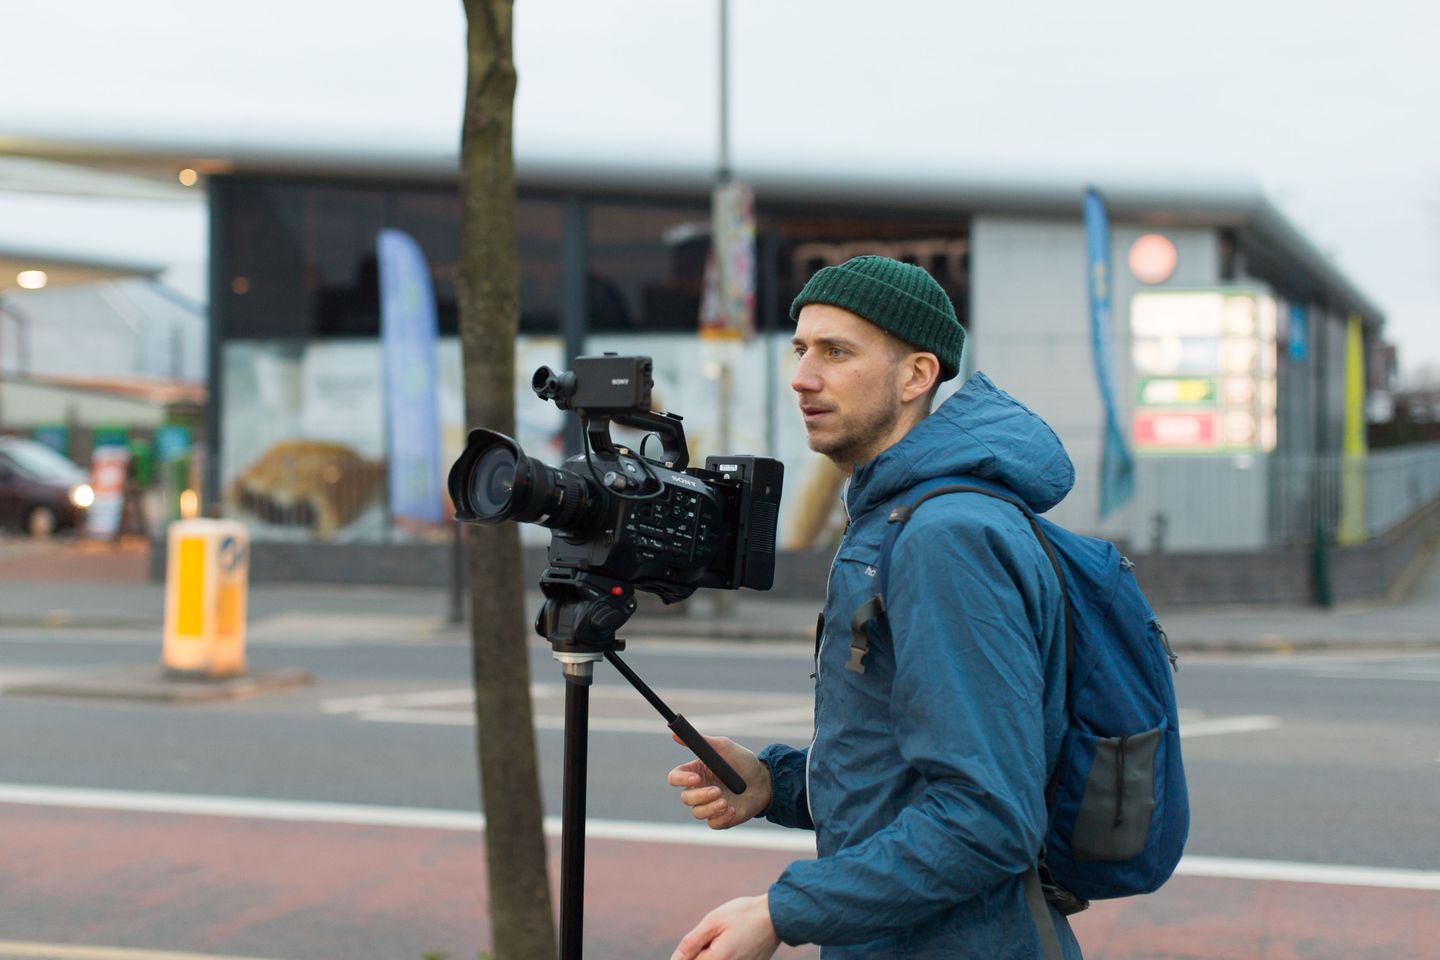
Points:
x=493, y=481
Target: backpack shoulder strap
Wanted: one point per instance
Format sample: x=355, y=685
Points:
x=873, y=610
x=900, y=515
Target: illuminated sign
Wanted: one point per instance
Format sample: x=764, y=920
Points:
x=1181, y=430
x=1204, y=363
x=1177, y=391
x=1152, y=258
x=1167, y=356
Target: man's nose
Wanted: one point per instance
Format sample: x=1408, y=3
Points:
x=805, y=380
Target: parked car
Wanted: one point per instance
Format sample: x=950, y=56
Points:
x=41, y=492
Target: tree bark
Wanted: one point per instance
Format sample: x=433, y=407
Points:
x=488, y=292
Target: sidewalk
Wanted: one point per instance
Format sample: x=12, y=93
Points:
x=100, y=586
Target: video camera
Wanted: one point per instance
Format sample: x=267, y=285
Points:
x=618, y=518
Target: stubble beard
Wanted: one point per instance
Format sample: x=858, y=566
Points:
x=862, y=439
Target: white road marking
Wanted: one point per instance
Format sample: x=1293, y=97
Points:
x=780, y=714
x=27, y=950
x=15, y=678
x=1403, y=667
x=1346, y=673
x=794, y=841
x=1223, y=725
x=1226, y=868
x=427, y=818
x=654, y=725
x=547, y=691
x=420, y=698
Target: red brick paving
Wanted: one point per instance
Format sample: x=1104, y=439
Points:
x=326, y=892
x=1194, y=918
x=323, y=892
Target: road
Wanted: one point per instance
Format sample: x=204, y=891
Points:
x=332, y=821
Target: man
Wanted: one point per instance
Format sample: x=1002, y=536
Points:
x=925, y=782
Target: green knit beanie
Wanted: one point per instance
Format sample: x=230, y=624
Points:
x=899, y=297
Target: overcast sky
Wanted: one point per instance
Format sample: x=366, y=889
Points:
x=1330, y=106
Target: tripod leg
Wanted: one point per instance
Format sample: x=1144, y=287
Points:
x=572, y=831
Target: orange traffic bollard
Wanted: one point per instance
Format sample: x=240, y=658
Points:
x=206, y=585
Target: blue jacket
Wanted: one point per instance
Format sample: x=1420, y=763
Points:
x=925, y=782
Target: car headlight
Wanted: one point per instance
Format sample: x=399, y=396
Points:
x=82, y=495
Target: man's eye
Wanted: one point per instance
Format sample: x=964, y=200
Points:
x=836, y=353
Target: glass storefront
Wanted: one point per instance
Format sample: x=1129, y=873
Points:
x=300, y=418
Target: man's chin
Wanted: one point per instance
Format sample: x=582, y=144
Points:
x=829, y=448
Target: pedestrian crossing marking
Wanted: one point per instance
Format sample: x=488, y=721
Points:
x=781, y=715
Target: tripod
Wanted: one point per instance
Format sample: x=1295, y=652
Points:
x=581, y=614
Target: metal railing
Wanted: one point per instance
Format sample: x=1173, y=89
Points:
x=1252, y=502
x=1309, y=493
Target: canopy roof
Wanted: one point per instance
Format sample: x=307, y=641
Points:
x=1270, y=242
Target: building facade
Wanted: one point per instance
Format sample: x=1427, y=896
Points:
x=1235, y=374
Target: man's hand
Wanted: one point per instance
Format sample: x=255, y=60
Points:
x=707, y=797
x=738, y=930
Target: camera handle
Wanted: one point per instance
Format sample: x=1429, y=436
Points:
x=667, y=426
x=580, y=616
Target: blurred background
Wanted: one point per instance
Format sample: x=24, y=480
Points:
x=1237, y=341
x=189, y=204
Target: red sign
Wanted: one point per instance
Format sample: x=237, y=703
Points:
x=1196, y=430
x=108, y=467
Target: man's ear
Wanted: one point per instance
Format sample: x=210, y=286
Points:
x=922, y=373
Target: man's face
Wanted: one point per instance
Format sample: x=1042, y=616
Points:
x=850, y=381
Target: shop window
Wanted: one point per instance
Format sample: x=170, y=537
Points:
x=808, y=243
x=297, y=260
x=539, y=230
x=646, y=266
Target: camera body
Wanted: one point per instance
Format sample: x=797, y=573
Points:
x=654, y=524
x=710, y=527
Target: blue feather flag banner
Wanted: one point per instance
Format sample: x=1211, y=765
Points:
x=1117, y=466
x=407, y=336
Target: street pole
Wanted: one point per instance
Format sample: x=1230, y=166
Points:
x=724, y=606
x=724, y=90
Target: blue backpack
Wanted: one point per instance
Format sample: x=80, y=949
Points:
x=1118, y=808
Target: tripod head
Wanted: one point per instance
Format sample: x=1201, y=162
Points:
x=581, y=614
x=582, y=611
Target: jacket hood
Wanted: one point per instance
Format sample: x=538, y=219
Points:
x=980, y=431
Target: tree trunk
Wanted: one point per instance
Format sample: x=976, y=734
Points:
x=488, y=291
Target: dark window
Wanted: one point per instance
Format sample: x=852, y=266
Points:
x=539, y=229
x=342, y=278
x=432, y=217
x=262, y=269
x=297, y=259
x=1228, y=255
x=646, y=266
x=808, y=242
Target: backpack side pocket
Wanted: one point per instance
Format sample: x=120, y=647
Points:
x=1113, y=819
